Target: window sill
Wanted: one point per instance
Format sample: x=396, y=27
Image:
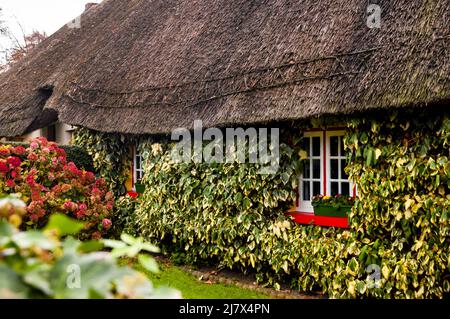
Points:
x=310, y=219
x=133, y=194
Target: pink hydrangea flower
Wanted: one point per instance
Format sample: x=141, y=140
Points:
x=32, y=157
x=106, y=223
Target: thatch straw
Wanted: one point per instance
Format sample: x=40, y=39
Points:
x=150, y=66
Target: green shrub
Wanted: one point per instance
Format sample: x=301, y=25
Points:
x=40, y=264
x=123, y=220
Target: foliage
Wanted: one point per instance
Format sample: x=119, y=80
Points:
x=220, y=212
x=48, y=184
x=110, y=153
x=124, y=218
x=39, y=264
x=20, y=49
x=228, y=215
x=74, y=153
x=337, y=200
x=402, y=168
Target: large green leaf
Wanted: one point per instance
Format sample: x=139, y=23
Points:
x=34, y=238
x=64, y=225
x=11, y=285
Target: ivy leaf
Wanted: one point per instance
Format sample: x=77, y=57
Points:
x=377, y=153
x=246, y=203
x=303, y=155
x=385, y=271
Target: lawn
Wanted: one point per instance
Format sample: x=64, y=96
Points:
x=191, y=288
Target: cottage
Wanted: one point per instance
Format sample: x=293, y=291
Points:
x=145, y=68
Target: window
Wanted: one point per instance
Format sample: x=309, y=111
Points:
x=138, y=168
x=338, y=182
x=311, y=181
x=323, y=170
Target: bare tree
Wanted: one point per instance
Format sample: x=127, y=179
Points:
x=21, y=45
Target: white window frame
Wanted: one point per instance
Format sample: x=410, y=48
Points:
x=330, y=134
x=137, y=169
x=306, y=206
x=325, y=179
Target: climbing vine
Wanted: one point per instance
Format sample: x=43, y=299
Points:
x=401, y=166
x=110, y=153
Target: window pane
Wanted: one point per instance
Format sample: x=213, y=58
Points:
x=334, y=168
x=316, y=146
x=334, y=144
x=342, y=145
x=316, y=168
x=306, y=191
x=316, y=188
x=343, y=165
x=306, y=169
x=345, y=189
x=334, y=188
x=306, y=145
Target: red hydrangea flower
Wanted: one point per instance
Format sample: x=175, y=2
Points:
x=79, y=214
x=61, y=153
x=3, y=167
x=70, y=206
x=10, y=183
x=35, y=195
x=19, y=150
x=30, y=180
x=14, y=161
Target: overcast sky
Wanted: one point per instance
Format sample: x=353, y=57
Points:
x=40, y=15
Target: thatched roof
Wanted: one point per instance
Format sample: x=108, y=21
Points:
x=148, y=66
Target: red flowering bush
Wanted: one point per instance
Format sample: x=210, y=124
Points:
x=48, y=184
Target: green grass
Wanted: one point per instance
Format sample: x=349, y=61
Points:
x=191, y=288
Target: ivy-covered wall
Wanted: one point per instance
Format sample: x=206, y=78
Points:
x=228, y=215
x=110, y=153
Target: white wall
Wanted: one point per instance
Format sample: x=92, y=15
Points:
x=63, y=134
x=28, y=137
